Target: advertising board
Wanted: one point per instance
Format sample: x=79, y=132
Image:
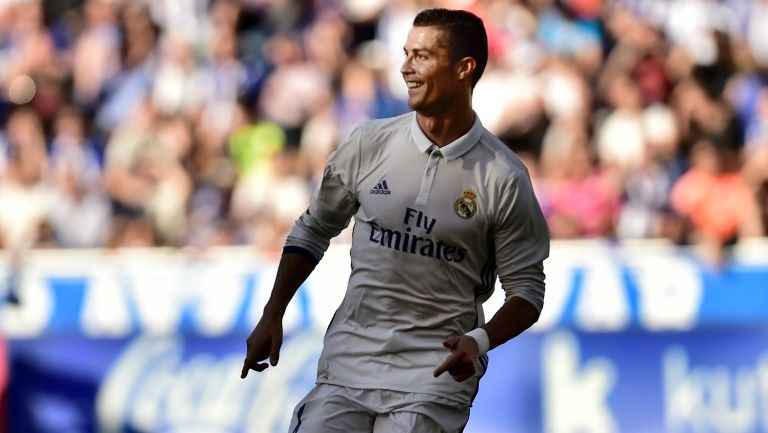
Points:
x=634, y=338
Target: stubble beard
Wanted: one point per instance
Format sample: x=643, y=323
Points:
x=428, y=108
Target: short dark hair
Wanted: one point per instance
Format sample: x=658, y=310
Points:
x=466, y=33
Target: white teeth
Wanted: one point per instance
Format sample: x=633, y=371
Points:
x=413, y=85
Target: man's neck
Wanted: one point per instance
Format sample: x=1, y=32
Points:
x=443, y=130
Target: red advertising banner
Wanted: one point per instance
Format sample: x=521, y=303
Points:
x=3, y=385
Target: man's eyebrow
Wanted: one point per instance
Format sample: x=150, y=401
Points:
x=418, y=50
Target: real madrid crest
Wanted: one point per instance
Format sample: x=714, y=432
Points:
x=466, y=205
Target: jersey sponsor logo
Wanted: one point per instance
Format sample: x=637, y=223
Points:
x=381, y=188
x=408, y=241
x=466, y=205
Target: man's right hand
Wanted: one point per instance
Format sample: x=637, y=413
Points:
x=264, y=342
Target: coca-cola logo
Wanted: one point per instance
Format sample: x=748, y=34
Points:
x=154, y=387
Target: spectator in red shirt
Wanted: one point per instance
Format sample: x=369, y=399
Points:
x=718, y=203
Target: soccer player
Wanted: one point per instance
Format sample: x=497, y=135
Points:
x=441, y=208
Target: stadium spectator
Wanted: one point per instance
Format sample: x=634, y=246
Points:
x=25, y=194
x=96, y=52
x=80, y=216
x=582, y=200
x=718, y=202
x=645, y=212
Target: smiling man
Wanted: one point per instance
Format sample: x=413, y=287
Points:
x=442, y=208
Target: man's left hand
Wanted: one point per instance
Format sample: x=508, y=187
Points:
x=462, y=362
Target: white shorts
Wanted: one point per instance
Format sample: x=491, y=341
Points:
x=339, y=409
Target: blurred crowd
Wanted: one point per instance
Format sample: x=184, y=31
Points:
x=197, y=123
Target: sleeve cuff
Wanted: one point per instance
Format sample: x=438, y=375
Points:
x=481, y=337
x=292, y=249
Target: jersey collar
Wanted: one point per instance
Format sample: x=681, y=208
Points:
x=455, y=149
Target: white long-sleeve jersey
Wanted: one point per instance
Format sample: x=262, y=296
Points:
x=434, y=227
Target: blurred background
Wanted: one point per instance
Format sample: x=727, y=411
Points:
x=153, y=155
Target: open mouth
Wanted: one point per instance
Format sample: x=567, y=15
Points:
x=413, y=84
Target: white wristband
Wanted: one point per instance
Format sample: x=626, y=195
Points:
x=483, y=343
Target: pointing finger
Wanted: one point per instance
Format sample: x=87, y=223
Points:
x=248, y=365
x=449, y=362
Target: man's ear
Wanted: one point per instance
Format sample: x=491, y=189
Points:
x=465, y=68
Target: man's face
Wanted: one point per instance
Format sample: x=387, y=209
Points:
x=428, y=71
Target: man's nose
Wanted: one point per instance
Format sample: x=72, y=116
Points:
x=406, y=68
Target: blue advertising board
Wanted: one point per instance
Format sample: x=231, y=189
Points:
x=560, y=382
x=630, y=382
x=633, y=338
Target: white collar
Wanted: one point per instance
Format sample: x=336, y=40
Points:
x=453, y=150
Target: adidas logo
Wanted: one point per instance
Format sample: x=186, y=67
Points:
x=381, y=188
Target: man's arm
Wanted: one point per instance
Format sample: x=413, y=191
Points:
x=514, y=317
x=267, y=337
x=329, y=212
